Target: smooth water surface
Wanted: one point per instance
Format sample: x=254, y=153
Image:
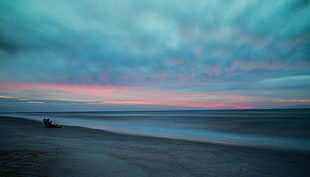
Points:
x=287, y=129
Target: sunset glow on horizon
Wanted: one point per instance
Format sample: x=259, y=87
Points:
x=164, y=54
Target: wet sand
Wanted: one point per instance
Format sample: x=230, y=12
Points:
x=29, y=149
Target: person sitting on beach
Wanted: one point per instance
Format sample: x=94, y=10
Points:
x=48, y=124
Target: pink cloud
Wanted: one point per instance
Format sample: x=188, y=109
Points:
x=94, y=94
x=36, y=102
x=245, y=107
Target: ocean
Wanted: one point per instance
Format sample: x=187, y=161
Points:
x=287, y=129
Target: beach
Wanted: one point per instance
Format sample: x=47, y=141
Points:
x=29, y=149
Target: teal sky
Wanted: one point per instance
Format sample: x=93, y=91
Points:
x=154, y=54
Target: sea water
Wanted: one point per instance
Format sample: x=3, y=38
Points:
x=274, y=128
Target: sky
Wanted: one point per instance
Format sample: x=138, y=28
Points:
x=94, y=55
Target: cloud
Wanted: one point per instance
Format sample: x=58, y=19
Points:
x=302, y=81
x=35, y=102
x=198, y=45
x=57, y=87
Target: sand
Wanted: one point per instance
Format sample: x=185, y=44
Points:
x=29, y=149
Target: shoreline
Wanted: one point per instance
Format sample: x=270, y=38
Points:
x=274, y=143
x=31, y=150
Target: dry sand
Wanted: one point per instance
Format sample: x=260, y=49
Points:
x=28, y=149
